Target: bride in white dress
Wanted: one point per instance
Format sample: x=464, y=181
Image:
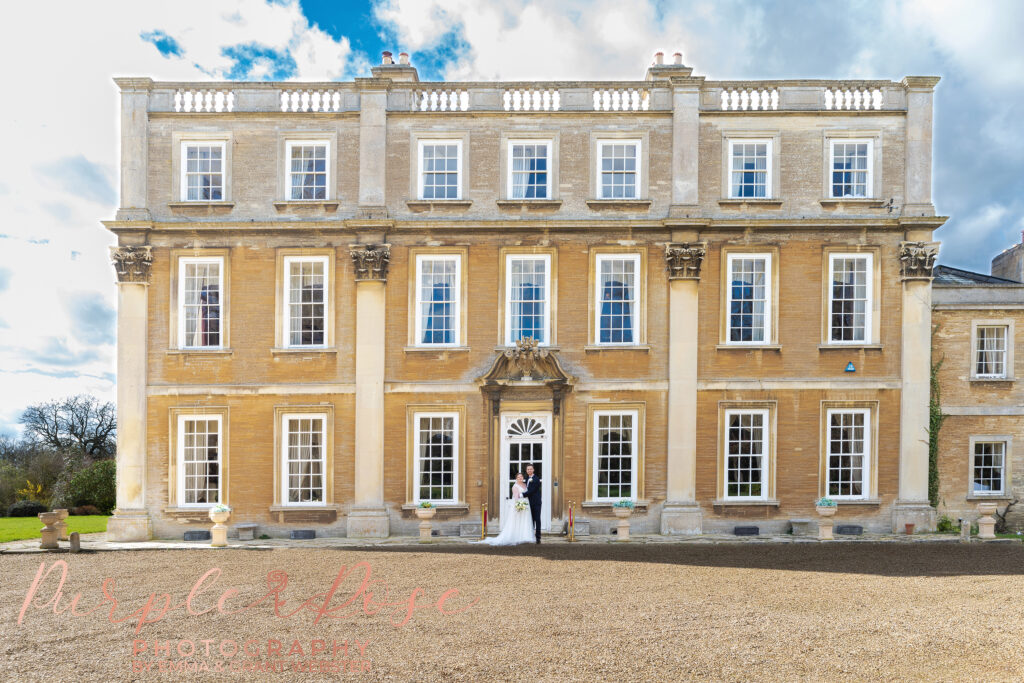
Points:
x=517, y=526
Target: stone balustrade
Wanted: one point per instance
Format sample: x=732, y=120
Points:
x=530, y=97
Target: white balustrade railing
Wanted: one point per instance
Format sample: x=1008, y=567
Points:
x=622, y=99
x=750, y=99
x=310, y=100
x=842, y=97
x=203, y=100
x=529, y=99
x=440, y=99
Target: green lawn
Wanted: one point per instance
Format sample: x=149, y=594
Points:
x=18, y=528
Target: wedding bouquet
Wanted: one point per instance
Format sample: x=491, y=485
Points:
x=521, y=504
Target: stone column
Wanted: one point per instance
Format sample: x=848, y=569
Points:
x=685, y=143
x=131, y=520
x=368, y=517
x=373, y=103
x=134, y=148
x=681, y=513
x=916, y=262
x=918, y=161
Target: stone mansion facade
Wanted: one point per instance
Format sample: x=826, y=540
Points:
x=338, y=300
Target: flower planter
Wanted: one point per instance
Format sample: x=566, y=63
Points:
x=219, y=531
x=426, y=529
x=62, y=524
x=622, y=527
x=987, y=523
x=49, y=533
x=826, y=512
x=909, y=528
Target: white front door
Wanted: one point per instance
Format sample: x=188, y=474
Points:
x=526, y=440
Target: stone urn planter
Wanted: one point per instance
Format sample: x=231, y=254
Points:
x=49, y=532
x=62, y=524
x=987, y=523
x=426, y=528
x=219, y=514
x=623, y=512
x=826, y=512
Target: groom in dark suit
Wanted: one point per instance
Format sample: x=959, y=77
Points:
x=533, y=494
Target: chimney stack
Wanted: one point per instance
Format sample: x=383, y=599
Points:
x=386, y=58
x=659, y=58
x=677, y=58
x=403, y=58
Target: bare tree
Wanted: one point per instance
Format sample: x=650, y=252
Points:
x=77, y=424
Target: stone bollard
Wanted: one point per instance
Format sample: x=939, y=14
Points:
x=76, y=543
x=62, y=524
x=49, y=532
x=987, y=523
x=965, y=531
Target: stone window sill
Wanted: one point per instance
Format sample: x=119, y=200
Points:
x=742, y=202
x=991, y=379
x=592, y=348
x=201, y=208
x=292, y=205
x=529, y=204
x=749, y=347
x=189, y=514
x=848, y=347
x=771, y=502
x=607, y=504
x=421, y=205
x=434, y=349
x=993, y=498
x=861, y=202
x=200, y=352
x=620, y=204
x=842, y=502
x=459, y=507
x=326, y=507
x=302, y=350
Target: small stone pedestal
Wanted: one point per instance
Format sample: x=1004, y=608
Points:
x=622, y=527
x=426, y=528
x=987, y=523
x=965, y=531
x=825, y=523
x=219, y=530
x=62, y=525
x=49, y=532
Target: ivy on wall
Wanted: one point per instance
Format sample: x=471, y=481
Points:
x=935, y=419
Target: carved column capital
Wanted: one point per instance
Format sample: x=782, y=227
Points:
x=684, y=259
x=917, y=260
x=132, y=264
x=371, y=261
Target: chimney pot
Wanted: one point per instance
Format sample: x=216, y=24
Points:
x=386, y=58
x=677, y=58
x=659, y=58
x=403, y=57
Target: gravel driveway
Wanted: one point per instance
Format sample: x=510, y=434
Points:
x=588, y=612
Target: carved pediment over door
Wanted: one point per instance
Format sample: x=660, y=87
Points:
x=526, y=363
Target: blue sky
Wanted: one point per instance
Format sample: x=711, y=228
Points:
x=58, y=176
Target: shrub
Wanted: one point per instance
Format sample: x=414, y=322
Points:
x=94, y=485
x=946, y=525
x=26, y=508
x=85, y=510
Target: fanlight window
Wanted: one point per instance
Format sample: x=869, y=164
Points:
x=526, y=426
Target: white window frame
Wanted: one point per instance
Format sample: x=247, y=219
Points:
x=328, y=180
x=870, y=176
x=769, y=178
x=868, y=450
x=510, y=177
x=766, y=442
x=183, y=171
x=607, y=142
x=285, y=417
x=546, y=258
x=457, y=300
x=1006, y=351
x=416, y=455
x=635, y=258
x=180, y=455
x=634, y=458
x=768, y=303
x=182, y=261
x=420, y=171
x=285, y=313
x=869, y=304
x=974, y=441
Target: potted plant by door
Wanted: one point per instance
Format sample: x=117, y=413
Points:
x=425, y=512
x=219, y=514
x=623, y=509
x=826, y=508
